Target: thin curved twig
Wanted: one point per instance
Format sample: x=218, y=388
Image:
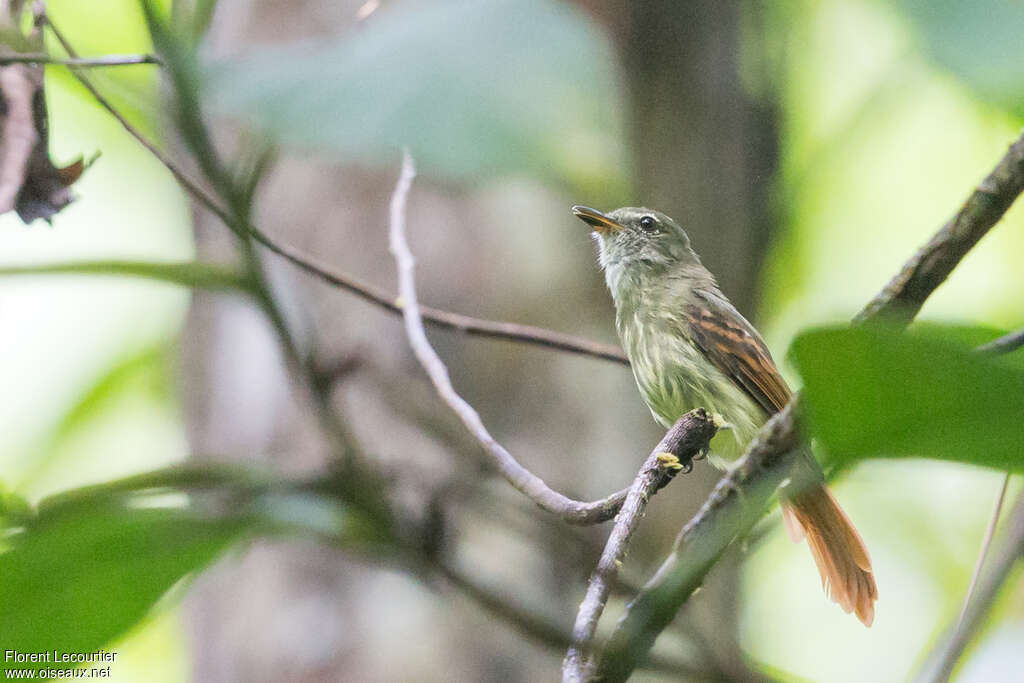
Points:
x=523, y=480
x=684, y=441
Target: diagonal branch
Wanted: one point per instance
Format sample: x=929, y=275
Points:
x=687, y=437
x=544, y=631
x=526, y=482
x=734, y=506
x=528, y=334
x=742, y=496
x=191, y=186
x=1005, y=344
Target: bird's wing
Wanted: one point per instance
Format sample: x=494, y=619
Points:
x=734, y=347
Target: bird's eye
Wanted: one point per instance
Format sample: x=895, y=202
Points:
x=648, y=224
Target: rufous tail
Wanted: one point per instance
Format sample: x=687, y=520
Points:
x=838, y=549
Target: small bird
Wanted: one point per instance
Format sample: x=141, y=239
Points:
x=689, y=347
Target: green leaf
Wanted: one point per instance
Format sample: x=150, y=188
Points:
x=980, y=42
x=74, y=580
x=872, y=392
x=471, y=86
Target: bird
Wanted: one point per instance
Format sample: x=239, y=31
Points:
x=689, y=347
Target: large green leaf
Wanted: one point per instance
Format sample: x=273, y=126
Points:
x=471, y=86
x=874, y=392
x=77, y=578
x=981, y=42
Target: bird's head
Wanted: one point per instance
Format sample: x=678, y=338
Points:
x=637, y=242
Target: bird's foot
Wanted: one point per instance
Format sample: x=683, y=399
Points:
x=672, y=465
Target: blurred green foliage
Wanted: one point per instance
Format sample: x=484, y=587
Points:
x=78, y=577
x=474, y=88
x=874, y=392
x=979, y=42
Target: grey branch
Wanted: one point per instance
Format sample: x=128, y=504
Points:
x=940, y=665
x=732, y=509
x=454, y=321
x=190, y=185
x=105, y=60
x=767, y=460
x=524, y=481
x=544, y=631
x=686, y=439
x=1005, y=344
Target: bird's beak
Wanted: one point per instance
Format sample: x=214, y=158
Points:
x=595, y=219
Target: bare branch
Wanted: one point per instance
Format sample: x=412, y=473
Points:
x=454, y=321
x=734, y=506
x=543, y=630
x=940, y=665
x=105, y=60
x=768, y=458
x=1005, y=344
x=687, y=437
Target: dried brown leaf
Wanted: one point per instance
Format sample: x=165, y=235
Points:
x=29, y=182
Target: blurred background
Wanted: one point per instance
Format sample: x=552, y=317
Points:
x=807, y=147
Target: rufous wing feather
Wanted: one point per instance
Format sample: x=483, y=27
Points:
x=734, y=347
